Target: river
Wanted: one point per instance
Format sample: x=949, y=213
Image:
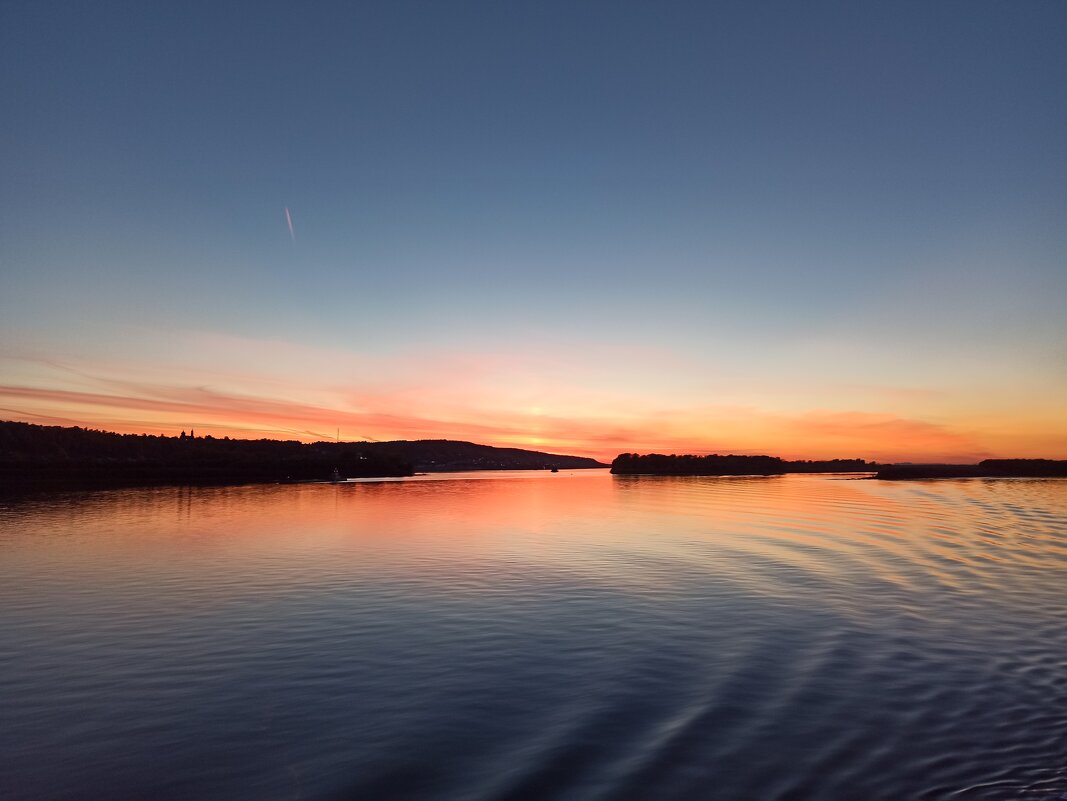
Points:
x=538, y=636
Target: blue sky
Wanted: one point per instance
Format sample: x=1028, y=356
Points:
x=762, y=196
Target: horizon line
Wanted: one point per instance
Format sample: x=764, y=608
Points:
x=326, y=440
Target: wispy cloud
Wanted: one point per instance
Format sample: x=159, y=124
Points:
x=599, y=403
x=816, y=434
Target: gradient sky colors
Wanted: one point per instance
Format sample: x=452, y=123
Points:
x=808, y=229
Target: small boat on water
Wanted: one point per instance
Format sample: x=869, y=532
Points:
x=336, y=477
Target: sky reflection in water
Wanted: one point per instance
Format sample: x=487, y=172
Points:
x=538, y=636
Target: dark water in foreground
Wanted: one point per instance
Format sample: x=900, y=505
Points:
x=538, y=637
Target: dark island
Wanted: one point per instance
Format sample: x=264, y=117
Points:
x=38, y=458
x=715, y=465
x=657, y=464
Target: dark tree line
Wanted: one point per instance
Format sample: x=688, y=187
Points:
x=1027, y=468
x=716, y=465
x=53, y=457
x=688, y=465
x=988, y=468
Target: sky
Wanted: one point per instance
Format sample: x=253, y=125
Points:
x=806, y=229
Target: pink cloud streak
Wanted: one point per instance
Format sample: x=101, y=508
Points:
x=152, y=407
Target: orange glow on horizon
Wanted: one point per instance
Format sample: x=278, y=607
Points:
x=536, y=405
x=812, y=435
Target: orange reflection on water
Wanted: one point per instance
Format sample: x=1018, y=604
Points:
x=463, y=531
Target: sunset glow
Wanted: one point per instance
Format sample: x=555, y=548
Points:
x=431, y=401
x=727, y=244
x=479, y=400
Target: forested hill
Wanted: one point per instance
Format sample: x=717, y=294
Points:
x=438, y=455
x=52, y=457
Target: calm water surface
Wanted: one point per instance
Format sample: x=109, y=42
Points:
x=538, y=636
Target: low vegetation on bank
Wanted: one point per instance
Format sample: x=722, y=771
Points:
x=989, y=468
x=716, y=465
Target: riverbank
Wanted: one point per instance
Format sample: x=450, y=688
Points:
x=657, y=464
x=990, y=468
x=52, y=458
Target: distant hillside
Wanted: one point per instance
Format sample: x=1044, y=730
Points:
x=34, y=457
x=441, y=455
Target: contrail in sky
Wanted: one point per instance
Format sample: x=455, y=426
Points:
x=289, y=219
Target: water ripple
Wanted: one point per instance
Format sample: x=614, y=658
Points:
x=536, y=637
